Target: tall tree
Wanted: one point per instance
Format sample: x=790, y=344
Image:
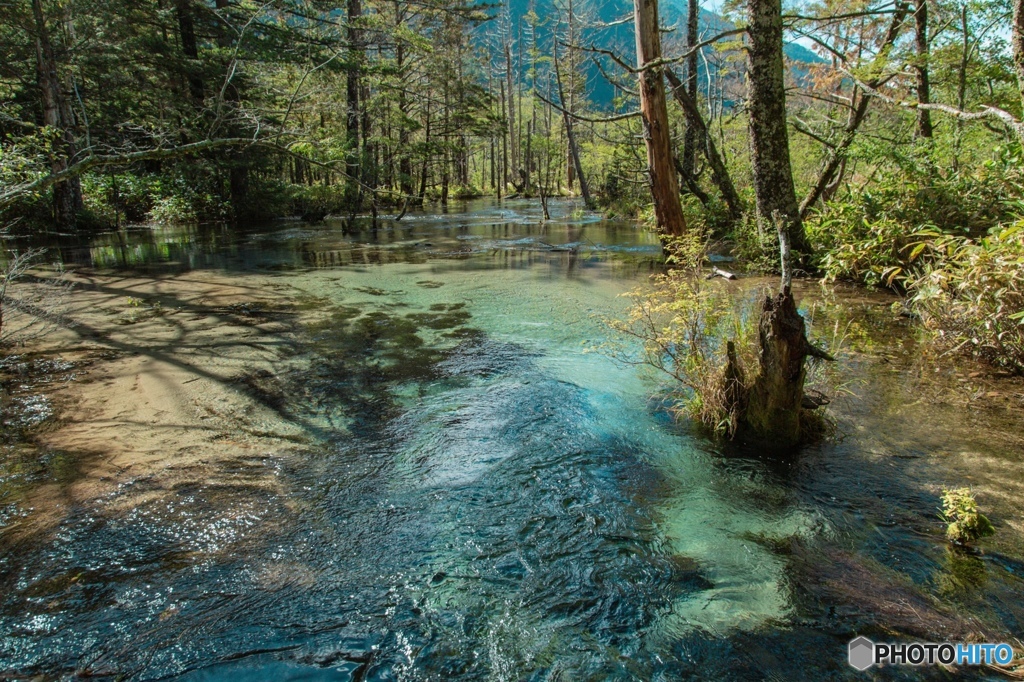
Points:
x=57, y=115
x=769, y=140
x=352, y=91
x=661, y=170
x=692, y=124
x=924, y=120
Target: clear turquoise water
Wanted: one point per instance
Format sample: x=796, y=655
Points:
x=492, y=499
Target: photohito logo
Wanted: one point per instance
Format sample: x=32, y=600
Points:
x=864, y=653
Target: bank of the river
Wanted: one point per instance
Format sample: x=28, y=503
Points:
x=393, y=454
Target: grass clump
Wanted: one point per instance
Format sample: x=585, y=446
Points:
x=688, y=326
x=965, y=524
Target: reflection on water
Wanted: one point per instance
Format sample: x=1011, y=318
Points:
x=493, y=501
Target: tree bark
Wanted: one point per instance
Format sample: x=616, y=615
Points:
x=1017, y=40
x=719, y=172
x=67, y=193
x=660, y=169
x=574, y=151
x=404, y=139
x=693, y=127
x=352, y=91
x=924, y=120
x=769, y=139
x=513, y=144
x=190, y=48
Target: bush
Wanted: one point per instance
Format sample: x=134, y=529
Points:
x=173, y=210
x=965, y=524
x=872, y=238
x=684, y=323
x=314, y=202
x=971, y=294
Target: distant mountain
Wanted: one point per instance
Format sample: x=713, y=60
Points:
x=608, y=24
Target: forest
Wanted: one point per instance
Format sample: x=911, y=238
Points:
x=534, y=339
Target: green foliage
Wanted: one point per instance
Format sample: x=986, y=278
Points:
x=952, y=240
x=972, y=293
x=875, y=236
x=311, y=202
x=965, y=524
x=754, y=246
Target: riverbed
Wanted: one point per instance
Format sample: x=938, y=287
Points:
x=402, y=451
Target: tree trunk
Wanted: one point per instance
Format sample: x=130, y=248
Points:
x=67, y=194
x=660, y=168
x=572, y=159
x=775, y=401
x=504, y=143
x=574, y=152
x=190, y=48
x=1017, y=40
x=352, y=89
x=773, y=407
x=513, y=144
x=426, y=155
x=719, y=172
x=924, y=121
x=693, y=127
x=769, y=140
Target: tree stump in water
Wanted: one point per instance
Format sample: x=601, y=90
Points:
x=775, y=401
x=772, y=407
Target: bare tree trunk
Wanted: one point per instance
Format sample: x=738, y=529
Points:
x=719, y=172
x=352, y=91
x=692, y=126
x=238, y=175
x=404, y=140
x=924, y=121
x=513, y=143
x=837, y=154
x=426, y=155
x=574, y=152
x=190, y=48
x=773, y=408
x=504, y=145
x=1017, y=40
x=660, y=168
x=572, y=161
x=769, y=139
x=446, y=132
x=67, y=194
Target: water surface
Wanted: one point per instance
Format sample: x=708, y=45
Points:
x=489, y=498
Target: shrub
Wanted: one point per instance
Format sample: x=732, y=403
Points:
x=684, y=323
x=173, y=210
x=872, y=237
x=965, y=524
x=971, y=294
x=314, y=202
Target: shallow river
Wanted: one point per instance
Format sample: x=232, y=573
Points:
x=492, y=497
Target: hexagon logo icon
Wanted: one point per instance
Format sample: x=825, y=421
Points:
x=862, y=653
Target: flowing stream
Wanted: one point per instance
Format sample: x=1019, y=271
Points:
x=492, y=497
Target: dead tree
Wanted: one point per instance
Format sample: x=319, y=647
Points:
x=773, y=408
x=719, y=173
x=660, y=167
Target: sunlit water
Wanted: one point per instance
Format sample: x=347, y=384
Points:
x=493, y=499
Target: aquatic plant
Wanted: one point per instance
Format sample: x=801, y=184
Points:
x=965, y=524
